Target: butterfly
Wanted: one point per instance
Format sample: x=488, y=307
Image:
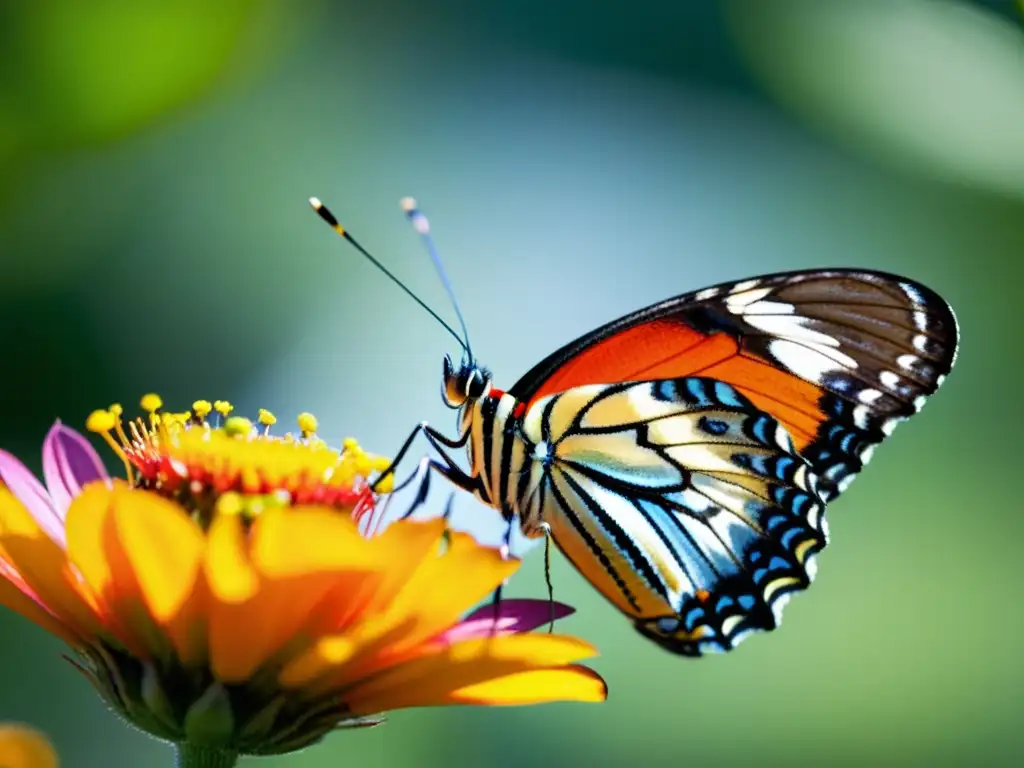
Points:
x=681, y=457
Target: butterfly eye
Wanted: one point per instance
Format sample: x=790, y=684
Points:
x=477, y=384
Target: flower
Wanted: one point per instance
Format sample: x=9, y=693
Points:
x=25, y=747
x=223, y=598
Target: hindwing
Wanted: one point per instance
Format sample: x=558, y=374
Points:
x=687, y=506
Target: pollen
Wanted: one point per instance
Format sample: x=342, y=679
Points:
x=151, y=403
x=237, y=468
x=308, y=424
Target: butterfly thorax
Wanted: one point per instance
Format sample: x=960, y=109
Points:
x=506, y=462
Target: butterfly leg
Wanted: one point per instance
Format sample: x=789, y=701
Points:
x=436, y=439
x=496, y=599
x=547, y=576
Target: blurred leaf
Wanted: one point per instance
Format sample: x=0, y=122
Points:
x=931, y=85
x=85, y=72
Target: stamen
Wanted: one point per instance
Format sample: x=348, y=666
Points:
x=102, y=422
x=238, y=426
x=308, y=424
x=200, y=410
x=223, y=408
x=267, y=419
x=182, y=456
x=151, y=403
x=116, y=410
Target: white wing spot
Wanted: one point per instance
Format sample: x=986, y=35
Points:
x=912, y=293
x=746, y=285
x=889, y=379
x=707, y=293
x=737, y=302
x=868, y=396
x=921, y=343
x=889, y=425
x=860, y=416
x=805, y=362
x=907, y=362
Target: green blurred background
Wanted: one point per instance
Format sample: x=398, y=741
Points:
x=578, y=159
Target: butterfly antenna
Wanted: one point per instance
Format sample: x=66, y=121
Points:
x=324, y=213
x=422, y=226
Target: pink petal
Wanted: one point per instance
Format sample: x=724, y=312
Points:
x=32, y=494
x=69, y=462
x=516, y=616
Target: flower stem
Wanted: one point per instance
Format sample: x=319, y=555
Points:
x=197, y=756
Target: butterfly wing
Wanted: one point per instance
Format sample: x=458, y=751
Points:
x=688, y=507
x=838, y=357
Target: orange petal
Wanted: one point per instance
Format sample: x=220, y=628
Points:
x=430, y=600
x=24, y=747
x=16, y=600
x=99, y=558
x=302, y=540
x=434, y=677
x=337, y=660
x=445, y=587
x=164, y=548
x=43, y=566
x=572, y=683
x=399, y=551
x=233, y=583
x=261, y=606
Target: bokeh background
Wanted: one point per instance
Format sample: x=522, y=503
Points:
x=578, y=159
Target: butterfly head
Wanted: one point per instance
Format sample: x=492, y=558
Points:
x=464, y=383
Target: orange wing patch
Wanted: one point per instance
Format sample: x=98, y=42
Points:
x=669, y=349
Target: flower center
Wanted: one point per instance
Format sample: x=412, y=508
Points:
x=231, y=464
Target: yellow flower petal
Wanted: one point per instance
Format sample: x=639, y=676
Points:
x=97, y=555
x=233, y=583
x=24, y=747
x=445, y=587
x=433, y=677
x=430, y=597
x=12, y=597
x=398, y=552
x=165, y=550
x=330, y=541
x=572, y=683
x=264, y=601
x=44, y=568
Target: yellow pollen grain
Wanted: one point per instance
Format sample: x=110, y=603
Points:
x=100, y=421
x=151, y=402
x=237, y=426
x=266, y=418
x=116, y=409
x=202, y=408
x=230, y=503
x=307, y=423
